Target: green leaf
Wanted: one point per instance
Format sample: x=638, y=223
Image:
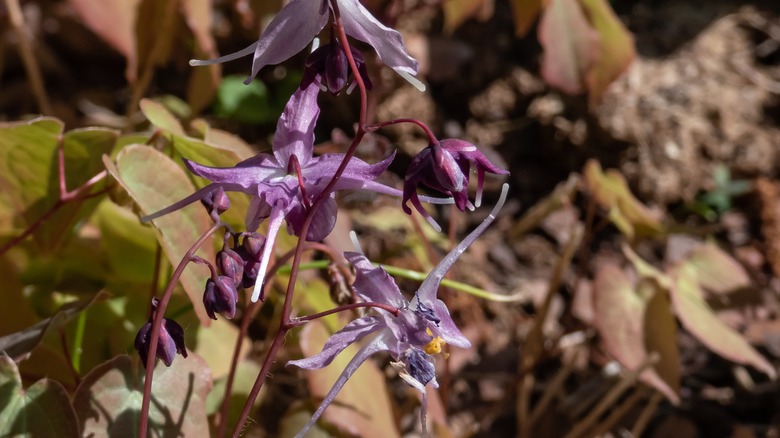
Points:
x=610, y=190
x=571, y=45
x=129, y=246
x=616, y=48
x=19, y=343
x=619, y=315
x=28, y=174
x=363, y=406
x=246, y=374
x=699, y=319
x=245, y=103
x=160, y=117
x=29, y=185
x=43, y=410
x=154, y=182
x=216, y=345
x=108, y=400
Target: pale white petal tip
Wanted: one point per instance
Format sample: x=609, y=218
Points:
x=315, y=44
x=471, y=206
x=355, y=242
x=197, y=62
x=433, y=224
x=416, y=83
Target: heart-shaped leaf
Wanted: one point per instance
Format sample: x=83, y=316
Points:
x=616, y=48
x=42, y=410
x=108, y=400
x=571, y=45
x=154, y=182
x=620, y=312
x=699, y=319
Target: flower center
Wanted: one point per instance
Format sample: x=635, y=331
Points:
x=436, y=344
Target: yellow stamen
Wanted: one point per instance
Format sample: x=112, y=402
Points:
x=435, y=346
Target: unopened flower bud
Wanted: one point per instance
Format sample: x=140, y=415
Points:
x=329, y=67
x=170, y=342
x=231, y=265
x=253, y=243
x=217, y=200
x=220, y=297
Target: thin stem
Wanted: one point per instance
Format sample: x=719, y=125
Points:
x=154, y=335
x=431, y=138
x=284, y=325
x=78, y=340
x=156, y=273
x=28, y=57
x=295, y=166
x=246, y=319
x=304, y=319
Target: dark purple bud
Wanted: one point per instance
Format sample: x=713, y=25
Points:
x=329, y=67
x=170, y=342
x=220, y=297
x=251, y=251
x=254, y=243
x=419, y=365
x=231, y=265
x=217, y=200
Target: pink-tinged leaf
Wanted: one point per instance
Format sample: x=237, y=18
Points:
x=616, y=48
x=524, y=13
x=114, y=22
x=619, y=318
x=108, y=400
x=698, y=318
x=154, y=182
x=363, y=407
x=716, y=271
x=42, y=410
x=571, y=45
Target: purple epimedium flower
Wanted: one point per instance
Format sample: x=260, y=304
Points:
x=422, y=327
x=285, y=185
x=444, y=166
x=296, y=25
x=171, y=340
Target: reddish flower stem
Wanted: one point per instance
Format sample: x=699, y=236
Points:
x=246, y=319
x=285, y=324
x=154, y=335
x=431, y=138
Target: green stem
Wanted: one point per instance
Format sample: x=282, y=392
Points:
x=418, y=276
x=78, y=340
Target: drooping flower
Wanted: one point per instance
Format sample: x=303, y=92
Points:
x=296, y=25
x=328, y=66
x=444, y=166
x=422, y=327
x=170, y=342
x=285, y=184
x=220, y=297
